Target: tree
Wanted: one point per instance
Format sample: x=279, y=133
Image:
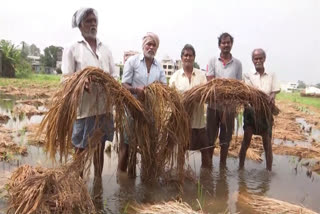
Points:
x=34, y=50
x=25, y=50
x=13, y=61
x=50, y=56
x=318, y=85
x=196, y=65
x=301, y=84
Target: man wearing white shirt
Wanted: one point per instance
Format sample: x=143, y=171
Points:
x=259, y=124
x=89, y=51
x=183, y=80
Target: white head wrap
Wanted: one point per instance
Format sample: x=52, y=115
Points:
x=80, y=14
x=150, y=37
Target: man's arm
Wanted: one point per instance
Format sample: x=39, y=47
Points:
x=275, y=88
x=68, y=65
x=211, y=70
x=239, y=73
x=127, y=78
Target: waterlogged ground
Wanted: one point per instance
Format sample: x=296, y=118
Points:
x=216, y=191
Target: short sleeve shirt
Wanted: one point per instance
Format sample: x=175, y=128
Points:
x=181, y=82
x=267, y=82
x=230, y=70
x=135, y=72
x=79, y=56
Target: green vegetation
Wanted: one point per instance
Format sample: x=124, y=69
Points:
x=295, y=97
x=15, y=63
x=200, y=194
x=31, y=80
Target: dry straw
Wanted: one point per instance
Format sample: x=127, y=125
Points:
x=41, y=190
x=301, y=152
x=58, y=122
x=267, y=205
x=229, y=93
x=164, y=208
x=163, y=140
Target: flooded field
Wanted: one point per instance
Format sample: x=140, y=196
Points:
x=293, y=179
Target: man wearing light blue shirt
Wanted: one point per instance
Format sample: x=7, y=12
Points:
x=140, y=71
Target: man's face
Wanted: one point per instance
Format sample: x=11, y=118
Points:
x=258, y=59
x=150, y=49
x=187, y=58
x=225, y=45
x=88, y=26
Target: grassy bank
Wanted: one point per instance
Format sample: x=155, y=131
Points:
x=34, y=79
x=295, y=97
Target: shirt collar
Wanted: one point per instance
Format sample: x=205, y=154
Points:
x=264, y=73
x=231, y=60
x=82, y=40
x=193, y=72
x=141, y=58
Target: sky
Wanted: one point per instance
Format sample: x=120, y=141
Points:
x=288, y=30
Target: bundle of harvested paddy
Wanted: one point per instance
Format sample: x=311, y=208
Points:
x=229, y=93
x=58, y=122
x=163, y=141
x=164, y=208
x=253, y=153
x=301, y=152
x=41, y=190
x=267, y=205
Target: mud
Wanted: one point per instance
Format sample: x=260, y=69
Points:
x=28, y=110
x=4, y=118
x=34, y=91
x=8, y=147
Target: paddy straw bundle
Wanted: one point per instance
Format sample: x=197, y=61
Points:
x=163, y=140
x=42, y=190
x=229, y=93
x=58, y=122
x=302, y=152
x=267, y=205
x=164, y=208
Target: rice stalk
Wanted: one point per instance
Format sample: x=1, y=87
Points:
x=58, y=122
x=42, y=190
x=267, y=205
x=229, y=93
x=164, y=208
x=162, y=141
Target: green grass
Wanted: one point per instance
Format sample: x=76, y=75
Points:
x=295, y=97
x=34, y=79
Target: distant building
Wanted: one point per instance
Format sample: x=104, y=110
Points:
x=168, y=66
x=312, y=90
x=127, y=54
x=289, y=87
x=35, y=63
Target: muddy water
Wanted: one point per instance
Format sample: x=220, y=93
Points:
x=221, y=188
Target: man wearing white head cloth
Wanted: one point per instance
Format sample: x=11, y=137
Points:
x=139, y=71
x=89, y=51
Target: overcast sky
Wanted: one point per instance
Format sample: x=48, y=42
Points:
x=289, y=30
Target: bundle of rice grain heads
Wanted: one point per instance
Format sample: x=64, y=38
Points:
x=229, y=93
x=41, y=190
x=164, y=138
x=59, y=120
